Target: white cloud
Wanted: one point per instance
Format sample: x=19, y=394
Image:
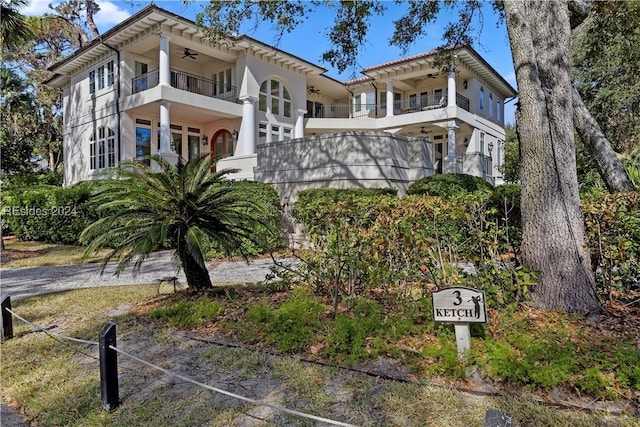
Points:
x=38, y=7
x=109, y=15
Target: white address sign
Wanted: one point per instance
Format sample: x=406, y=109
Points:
x=459, y=304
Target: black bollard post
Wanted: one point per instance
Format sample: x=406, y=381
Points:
x=108, y=368
x=7, y=320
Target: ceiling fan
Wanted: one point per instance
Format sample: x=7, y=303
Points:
x=189, y=54
x=433, y=75
x=314, y=90
x=423, y=130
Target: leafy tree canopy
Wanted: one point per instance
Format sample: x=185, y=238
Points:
x=606, y=54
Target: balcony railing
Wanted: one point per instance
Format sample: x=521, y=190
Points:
x=462, y=102
x=359, y=111
x=189, y=82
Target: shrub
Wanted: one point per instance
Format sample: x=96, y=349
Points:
x=267, y=234
x=314, y=209
x=48, y=213
x=612, y=225
x=447, y=185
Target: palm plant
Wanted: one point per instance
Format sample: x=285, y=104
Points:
x=181, y=206
x=13, y=27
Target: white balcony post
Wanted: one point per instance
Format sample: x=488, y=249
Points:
x=164, y=71
x=248, y=145
x=389, y=98
x=298, y=132
x=451, y=88
x=165, y=134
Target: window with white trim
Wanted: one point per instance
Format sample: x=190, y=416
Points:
x=482, y=98
x=275, y=98
x=102, y=77
x=102, y=148
x=498, y=110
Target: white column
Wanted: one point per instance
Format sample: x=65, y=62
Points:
x=451, y=160
x=451, y=87
x=389, y=98
x=164, y=71
x=165, y=134
x=248, y=137
x=298, y=131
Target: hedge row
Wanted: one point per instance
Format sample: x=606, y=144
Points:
x=48, y=213
x=465, y=226
x=58, y=215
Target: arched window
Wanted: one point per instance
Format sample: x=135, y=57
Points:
x=102, y=148
x=482, y=98
x=274, y=97
x=490, y=104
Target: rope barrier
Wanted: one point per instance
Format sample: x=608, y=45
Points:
x=228, y=393
x=53, y=334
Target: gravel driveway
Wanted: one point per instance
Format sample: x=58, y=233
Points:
x=27, y=281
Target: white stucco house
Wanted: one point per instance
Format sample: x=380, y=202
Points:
x=156, y=84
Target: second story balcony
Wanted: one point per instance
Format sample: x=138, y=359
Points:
x=188, y=82
x=359, y=111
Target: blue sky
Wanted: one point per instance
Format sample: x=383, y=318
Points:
x=309, y=41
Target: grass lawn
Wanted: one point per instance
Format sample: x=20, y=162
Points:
x=32, y=254
x=278, y=335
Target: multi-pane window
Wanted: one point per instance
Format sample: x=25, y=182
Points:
x=275, y=98
x=498, y=110
x=143, y=141
x=482, y=98
x=102, y=148
x=102, y=77
x=92, y=81
x=110, y=73
x=383, y=100
x=358, y=103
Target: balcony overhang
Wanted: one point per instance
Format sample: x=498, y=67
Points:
x=161, y=93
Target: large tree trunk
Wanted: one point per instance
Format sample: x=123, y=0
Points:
x=609, y=166
x=197, y=275
x=552, y=226
x=91, y=7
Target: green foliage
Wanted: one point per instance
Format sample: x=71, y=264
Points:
x=605, y=55
x=347, y=339
x=631, y=164
x=187, y=314
x=183, y=207
x=447, y=185
x=545, y=355
x=35, y=178
x=291, y=326
x=312, y=206
x=267, y=232
x=510, y=169
x=612, y=225
x=48, y=213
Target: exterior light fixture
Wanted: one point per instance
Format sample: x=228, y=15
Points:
x=464, y=84
x=205, y=140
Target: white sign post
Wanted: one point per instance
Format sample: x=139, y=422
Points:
x=460, y=306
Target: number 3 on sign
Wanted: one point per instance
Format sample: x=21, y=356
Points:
x=458, y=300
